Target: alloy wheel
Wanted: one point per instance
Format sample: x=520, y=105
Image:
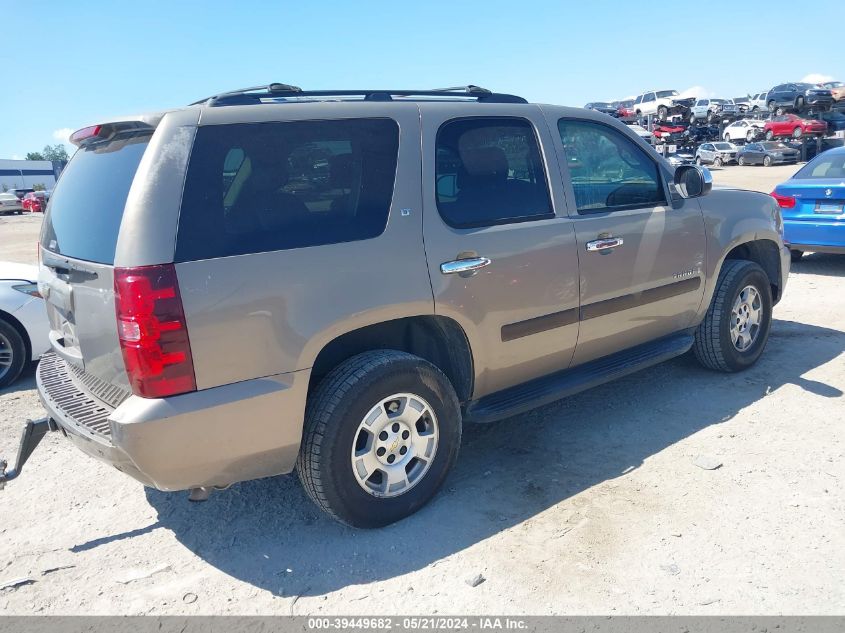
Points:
x=746, y=318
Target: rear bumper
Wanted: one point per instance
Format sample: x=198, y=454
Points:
x=820, y=236
x=213, y=437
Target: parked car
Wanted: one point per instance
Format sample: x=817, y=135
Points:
x=767, y=153
x=792, y=125
x=34, y=202
x=661, y=103
x=837, y=89
x=669, y=132
x=701, y=133
x=640, y=131
x=180, y=360
x=677, y=159
x=812, y=204
x=795, y=96
x=758, y=102
x=625, y=109
x=743, y=130
x=23, y=320
x=10, y=203
x=717, y=154
x=835, y=119
x=743, y=104
x=602, y=106
x=713, y=110
x=19, y=193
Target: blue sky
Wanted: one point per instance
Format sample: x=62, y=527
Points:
x=82, y=60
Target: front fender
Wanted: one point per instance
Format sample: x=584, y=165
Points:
x=733, y=217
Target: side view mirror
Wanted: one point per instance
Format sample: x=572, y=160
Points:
x=693, y=181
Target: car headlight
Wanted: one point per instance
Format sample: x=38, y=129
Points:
x=28, y=289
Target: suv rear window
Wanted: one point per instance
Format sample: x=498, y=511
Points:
x=87, y=205
x=258, y=187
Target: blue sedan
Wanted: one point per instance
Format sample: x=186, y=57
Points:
x=812, y=204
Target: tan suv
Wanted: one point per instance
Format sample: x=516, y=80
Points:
x=335, y=281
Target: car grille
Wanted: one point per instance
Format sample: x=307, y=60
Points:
x=61, y=390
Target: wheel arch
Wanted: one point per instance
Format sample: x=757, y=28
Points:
x=766, y=254
x=437, y=339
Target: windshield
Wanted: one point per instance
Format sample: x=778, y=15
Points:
x=827, y=165
x=722, y=145
x=87, y=205
x=600, y=104
x=662, y=94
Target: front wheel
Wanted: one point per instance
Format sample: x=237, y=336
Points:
x=382, y=430
x=767, y=161
x=662, y=113
x=717, y=162
x=769, y=135
x=741, y=161
x=698, y=160
x=736, y=327
x=749, y=137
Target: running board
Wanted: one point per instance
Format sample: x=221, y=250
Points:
x=535, y=393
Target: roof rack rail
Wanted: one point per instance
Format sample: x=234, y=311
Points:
x=255, y=94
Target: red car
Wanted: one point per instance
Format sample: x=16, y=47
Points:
x=668, y=130
x=34, y=202
x=792, y=125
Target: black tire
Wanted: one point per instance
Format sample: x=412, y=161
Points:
x=698, y=160
x=769, y=135
x=780, y=110
x=749, y=137
x=797, y=132
x=717, y=162
x=795, y=256
x=741, y=161
x=12, y=342
x=333, y=414
x=662, y=113
x=767, y=161
x=799, y=103
x=713, y=346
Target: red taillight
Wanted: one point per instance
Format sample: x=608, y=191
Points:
x=86, y=133
x=784, y=202
x=153, y=332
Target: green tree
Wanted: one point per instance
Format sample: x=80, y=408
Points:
x=39, y=186
x=55, y=152
x=35, y=156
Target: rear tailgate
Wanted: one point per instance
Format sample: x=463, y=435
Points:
x=78, y=245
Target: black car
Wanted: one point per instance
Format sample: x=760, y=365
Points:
x=835, y=119
x=767, y=153
x=795, y=96
x=602, y=106
x=702, y=133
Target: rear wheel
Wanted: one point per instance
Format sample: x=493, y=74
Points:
x=736, y=327
x=795, y=255
x=749, y=136
x=769, y=135
x=741, y=160
x=797, y=132
x=12, y=353
x=799, y=103
x=382, y=431
x=717, y=162
x=662, y=113
x=698, y=160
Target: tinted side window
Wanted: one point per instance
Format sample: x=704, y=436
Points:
x=489, y=171
x=825, y=166
x=257, y=187
x=609, y=171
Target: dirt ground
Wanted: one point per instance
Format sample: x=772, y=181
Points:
x=596, y=504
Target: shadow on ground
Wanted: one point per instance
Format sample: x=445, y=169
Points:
x=820, y=264
x=507, y=473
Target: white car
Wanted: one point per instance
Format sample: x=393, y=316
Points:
x=717, y=154
x=658, y=102
x=743, y=130
x=713, y=110
x=9, y=203
x=24, y=326
x=640, y=131
x=757, y=102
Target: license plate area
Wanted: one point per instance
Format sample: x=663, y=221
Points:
x=833, y=207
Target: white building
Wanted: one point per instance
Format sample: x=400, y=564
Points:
x=22, y=174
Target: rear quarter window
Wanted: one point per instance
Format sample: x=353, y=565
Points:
x=258, y=187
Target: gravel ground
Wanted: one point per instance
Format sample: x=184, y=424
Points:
x=607, y=502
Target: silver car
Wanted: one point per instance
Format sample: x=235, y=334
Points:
x=337, y=281
x=716, y=154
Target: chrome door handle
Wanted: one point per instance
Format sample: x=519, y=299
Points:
x=469, y=265
x=605, y=243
